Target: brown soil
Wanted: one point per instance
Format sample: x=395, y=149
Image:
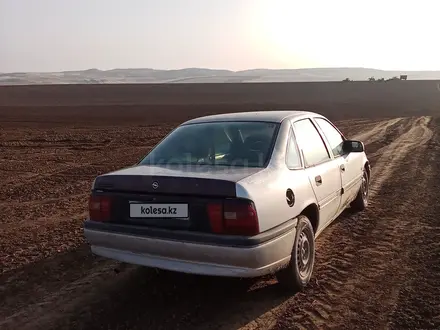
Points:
x=376, y=270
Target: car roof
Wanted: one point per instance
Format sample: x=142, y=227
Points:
x=274, y=116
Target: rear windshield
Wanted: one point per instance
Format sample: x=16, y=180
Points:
x=218, y=143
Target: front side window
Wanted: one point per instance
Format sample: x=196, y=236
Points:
x=216, y=143
x=334, y=138
x=310, y=142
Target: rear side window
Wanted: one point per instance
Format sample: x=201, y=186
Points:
x=310, y=142
x=334, y=138
x=293, y=159
x=216, y=143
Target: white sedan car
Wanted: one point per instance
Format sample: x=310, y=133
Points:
x=237, y=195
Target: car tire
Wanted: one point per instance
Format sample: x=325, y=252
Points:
x=300, y=268
x=360, y=203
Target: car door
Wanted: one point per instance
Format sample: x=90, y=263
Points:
x=350, y=165
x=323, y=172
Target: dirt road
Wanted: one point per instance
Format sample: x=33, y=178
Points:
x=375, y=270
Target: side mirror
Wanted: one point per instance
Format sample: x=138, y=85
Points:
x=349, y=146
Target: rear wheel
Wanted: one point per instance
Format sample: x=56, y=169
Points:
x=361, y=200
x=299, y=271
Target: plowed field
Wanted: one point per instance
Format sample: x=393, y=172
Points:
x=379, y=269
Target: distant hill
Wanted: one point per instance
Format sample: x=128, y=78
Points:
x=200, y=75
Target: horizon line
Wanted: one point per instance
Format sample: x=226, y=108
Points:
x=217, y=69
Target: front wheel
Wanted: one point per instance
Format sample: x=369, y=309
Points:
x=299, y=271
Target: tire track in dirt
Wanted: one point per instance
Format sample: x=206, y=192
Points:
x=362, y=272
x=240, y=310
x=377, y=132
x=417, y=135
x=421, y=289
x=342, y=265
x=342, y=292
x=385, y=254
x=352, y=128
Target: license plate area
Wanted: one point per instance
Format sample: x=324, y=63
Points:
x=159, y=210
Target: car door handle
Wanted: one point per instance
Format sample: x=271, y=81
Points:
x=318, y=180
x=342, y=167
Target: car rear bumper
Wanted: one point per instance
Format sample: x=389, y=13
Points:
x=195, y=257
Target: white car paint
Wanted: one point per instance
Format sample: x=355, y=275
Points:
x=341, y=179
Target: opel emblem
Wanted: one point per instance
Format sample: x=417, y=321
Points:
x=155, y=185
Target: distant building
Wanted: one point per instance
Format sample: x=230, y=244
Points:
x=403, y=77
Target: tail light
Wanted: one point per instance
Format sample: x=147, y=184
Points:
x=215, y=213
x=233, y=217
x=99, y=208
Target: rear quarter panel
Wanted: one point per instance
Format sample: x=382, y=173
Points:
x=267, y=189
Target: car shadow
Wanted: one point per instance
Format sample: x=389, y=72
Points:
x=139, y=297
x=78, y=290
x=28, y=283
x=145, y=298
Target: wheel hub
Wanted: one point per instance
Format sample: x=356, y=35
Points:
x=304, y=252
x=364, y=187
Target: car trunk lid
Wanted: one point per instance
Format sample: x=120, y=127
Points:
x=180, y=180
x=171, y=198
